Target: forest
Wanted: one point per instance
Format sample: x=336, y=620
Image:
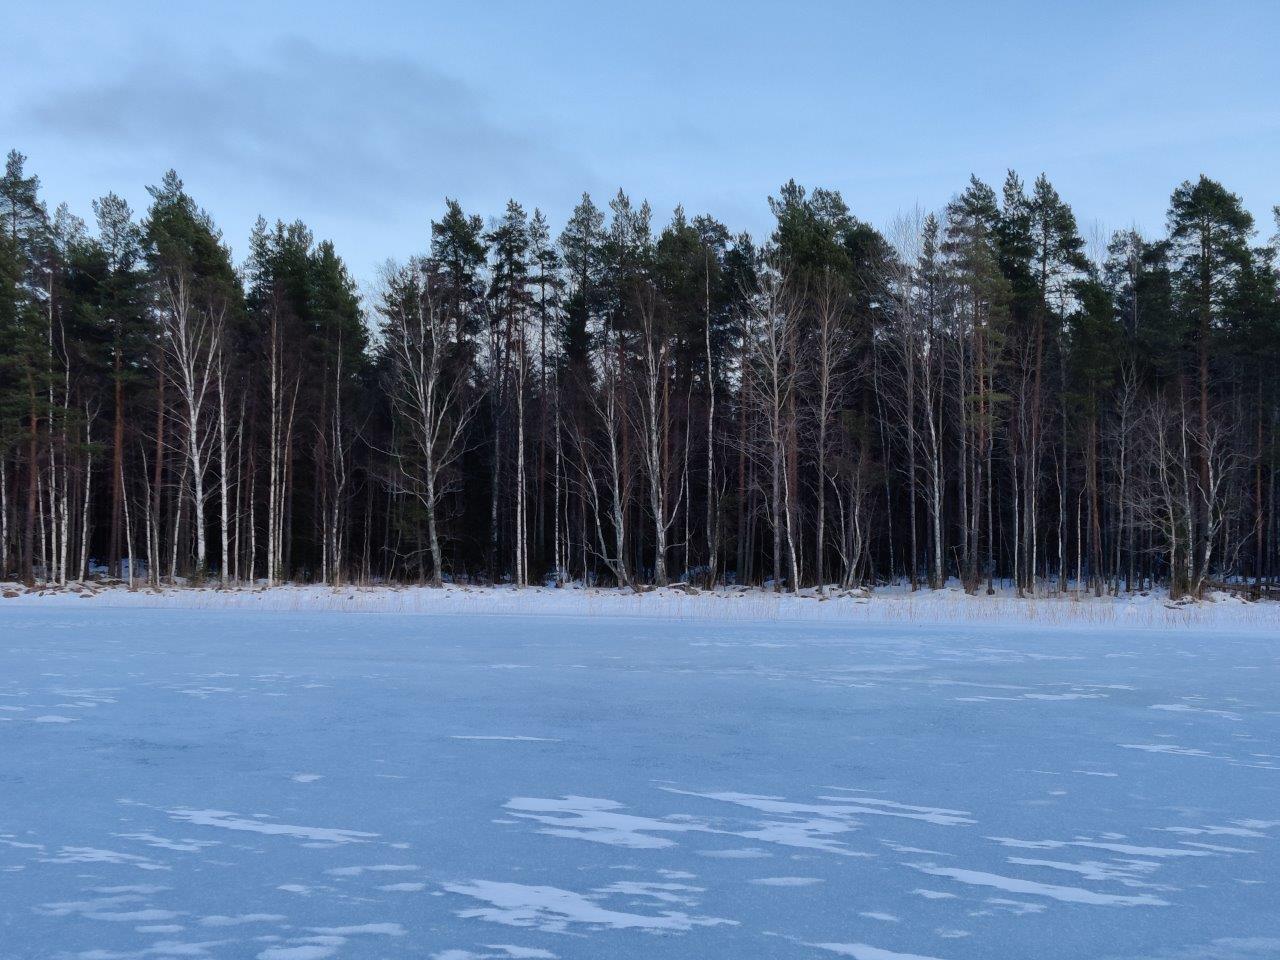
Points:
x=979, y=393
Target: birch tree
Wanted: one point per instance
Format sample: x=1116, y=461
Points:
x=430, y=392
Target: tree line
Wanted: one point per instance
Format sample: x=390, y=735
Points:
x=976, y=393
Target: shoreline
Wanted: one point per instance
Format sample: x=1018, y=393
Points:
x=945, y=607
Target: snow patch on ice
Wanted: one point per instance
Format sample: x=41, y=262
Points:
x=182, y=846
x=845, y=807
x=1054, y=892
x=933, y=894
x=380, y=929
x=599, y=821
x=231, y=821
x=96, y=855
x=553, y=910
x=862, y=951
x=224, y=921
x=300, y=952
x=509, y=952
x=375, y=868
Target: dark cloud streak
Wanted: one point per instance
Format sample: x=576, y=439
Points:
x=357, y=136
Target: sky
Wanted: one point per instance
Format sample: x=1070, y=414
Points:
x=360, y=118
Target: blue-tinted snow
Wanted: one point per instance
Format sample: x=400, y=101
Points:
x=291, y=786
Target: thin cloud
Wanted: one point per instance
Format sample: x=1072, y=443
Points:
x=358, y=132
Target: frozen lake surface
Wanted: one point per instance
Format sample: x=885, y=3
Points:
x=293, y=786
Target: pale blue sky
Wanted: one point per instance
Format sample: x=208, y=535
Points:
x=360, y=117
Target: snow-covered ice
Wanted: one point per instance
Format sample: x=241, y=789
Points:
x=292, y=785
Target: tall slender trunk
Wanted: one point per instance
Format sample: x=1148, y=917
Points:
x=224, y=493
x=158, y=474
x=712, y=510
x=117, y=463
x=33, y=484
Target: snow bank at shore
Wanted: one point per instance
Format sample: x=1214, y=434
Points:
x=889, y=605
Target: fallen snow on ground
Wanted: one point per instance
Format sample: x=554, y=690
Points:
x=259, y=782
x=892, y=604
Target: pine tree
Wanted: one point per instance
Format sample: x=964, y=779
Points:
x=123, y=309
x=548, y=286
x=581, y=245
x=1209, y=229
x=25, y=371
